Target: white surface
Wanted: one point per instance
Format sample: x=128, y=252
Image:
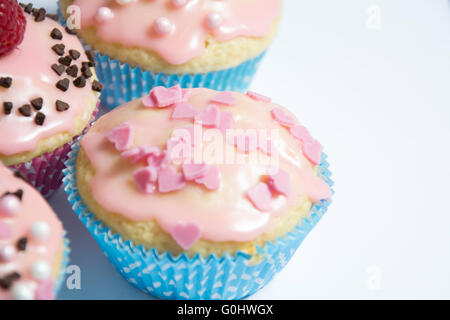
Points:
x=379, y=101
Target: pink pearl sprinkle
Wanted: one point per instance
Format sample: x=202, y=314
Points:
x=104, y=13
x=162, y=26
x=213, y=20
x=179, y=3
x=7, y=253
x=9, y=205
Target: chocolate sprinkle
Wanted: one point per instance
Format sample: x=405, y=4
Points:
x=67, y=60
x=39, y=118
x=97, y=86
x=74, y=54
x=59, y=49
x=22, y=244
x=72, y=71
x=40, y=15
x=71, y=31
x=59, y=69
x=37, y=103
x=90, y=55
x=25, y=110
x=28, y=8
x=80, y=82
x=7, y=107
x=61, y=106
x=18, y=194
x=56, y=34
x=86, y=71
x=5, y=82
x=8, y=280
x=19, y=174
x=63, y=84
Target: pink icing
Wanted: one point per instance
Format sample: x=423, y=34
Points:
x=30, y=67
x=33, y=212
x=223, y=212
x=178, y=34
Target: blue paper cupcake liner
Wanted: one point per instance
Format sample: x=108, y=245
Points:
x=179, y=277
x=123, y=83
x=64, y=264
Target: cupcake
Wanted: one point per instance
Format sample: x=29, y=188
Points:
x=48, y=93
x=198, y=194
x=141, y=44
x=33, y=250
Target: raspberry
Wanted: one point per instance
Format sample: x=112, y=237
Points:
x=12, y=26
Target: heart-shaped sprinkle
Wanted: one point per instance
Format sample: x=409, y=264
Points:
x=186, y=235
x=137, y=154
x=148, y=101
x=301, y=133
x=225, y=98
x=312, y=149
x=170, y=180
x=183, y=110
x=211, y=180
x=194, y=171
x=164, y=97
x=258, y=97
x=210, y=117
x=282, y=117
x=185, y=94
x=280, y=182
x=260, y=196
x=122, y=136
x=158, y=159
x=145, y=179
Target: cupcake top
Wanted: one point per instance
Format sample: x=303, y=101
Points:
x=219, y=166
x=30, y=241
x=45, y=85
x=178, y=30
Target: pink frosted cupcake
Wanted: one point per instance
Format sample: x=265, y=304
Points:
x=48, y=93
x=33, y=252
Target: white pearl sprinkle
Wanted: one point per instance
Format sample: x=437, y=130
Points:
x=122, y=2
x=213, y=20
x=22, y=291
x=104, y=13
x=40, y=230
x=179, y=3
x=7, y=253
x=40, y=270
x=162, y=26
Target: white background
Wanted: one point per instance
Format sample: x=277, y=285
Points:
x=376, y=93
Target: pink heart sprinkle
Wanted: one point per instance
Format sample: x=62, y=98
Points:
x=226, y=121
x=183, y=110
x=225, y=98
x=158, y=160
x=145, y=179
x=260, y=196
x=5, y=230
x=301, y=133
x=148, y=102
x=170, y=180
x=140, y=153
x=280, y=182
x=281, y=117
x=45, y=290
x=165, y=97
x=186, y=235
x=313, y=151
x=178, y=149
x=194, y=171
x=211, y=180
x=185, y=94
x=122, y=136
x=258, y=97
x=210, y=117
